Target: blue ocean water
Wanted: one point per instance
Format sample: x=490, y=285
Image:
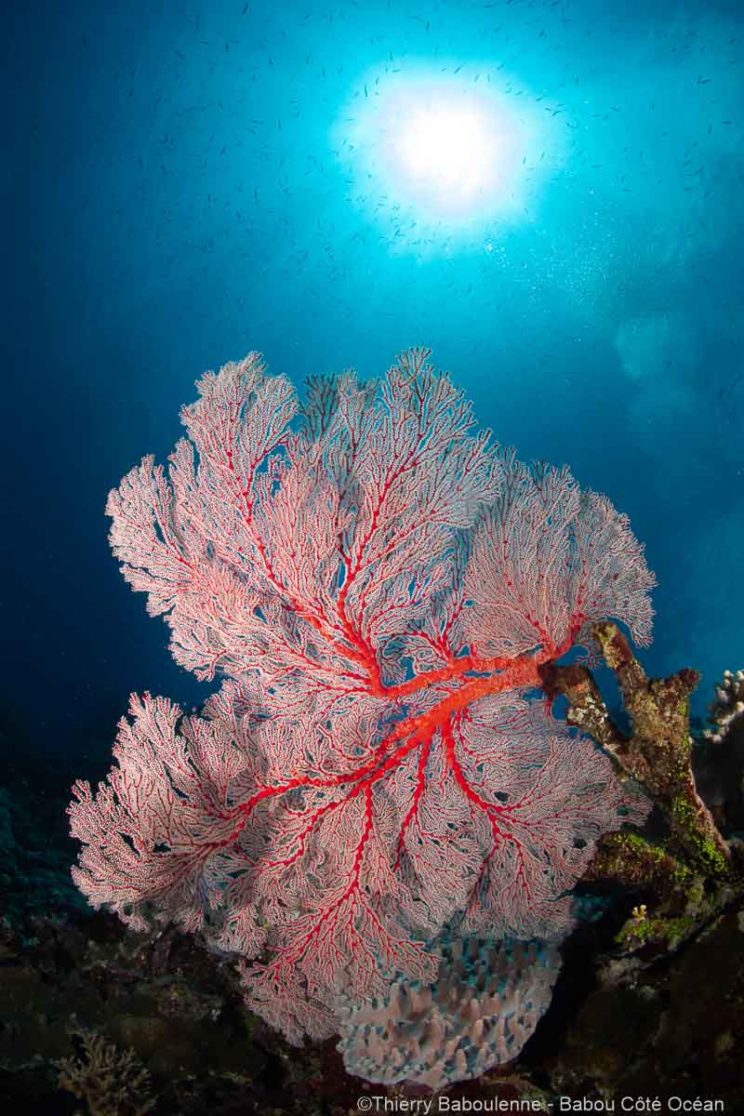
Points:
x=185, y=182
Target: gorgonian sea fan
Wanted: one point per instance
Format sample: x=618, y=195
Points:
x=381, y=588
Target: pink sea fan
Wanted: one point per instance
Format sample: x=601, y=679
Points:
x=381, y=589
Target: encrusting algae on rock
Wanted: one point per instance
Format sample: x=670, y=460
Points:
x=692, y=872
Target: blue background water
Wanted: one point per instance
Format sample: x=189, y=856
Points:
x=179, y=190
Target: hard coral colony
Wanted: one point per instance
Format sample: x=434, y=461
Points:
x=377, y=811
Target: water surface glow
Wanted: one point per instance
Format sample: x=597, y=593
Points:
x=446, y=150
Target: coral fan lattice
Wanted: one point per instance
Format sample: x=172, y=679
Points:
x=382, y=589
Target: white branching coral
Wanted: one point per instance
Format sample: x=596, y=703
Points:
x=727, y=707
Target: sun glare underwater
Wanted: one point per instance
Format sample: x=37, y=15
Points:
x=445, y=154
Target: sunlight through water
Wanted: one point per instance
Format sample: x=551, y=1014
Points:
x=445, y=152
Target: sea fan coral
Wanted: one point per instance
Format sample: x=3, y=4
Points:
x=383, y=590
